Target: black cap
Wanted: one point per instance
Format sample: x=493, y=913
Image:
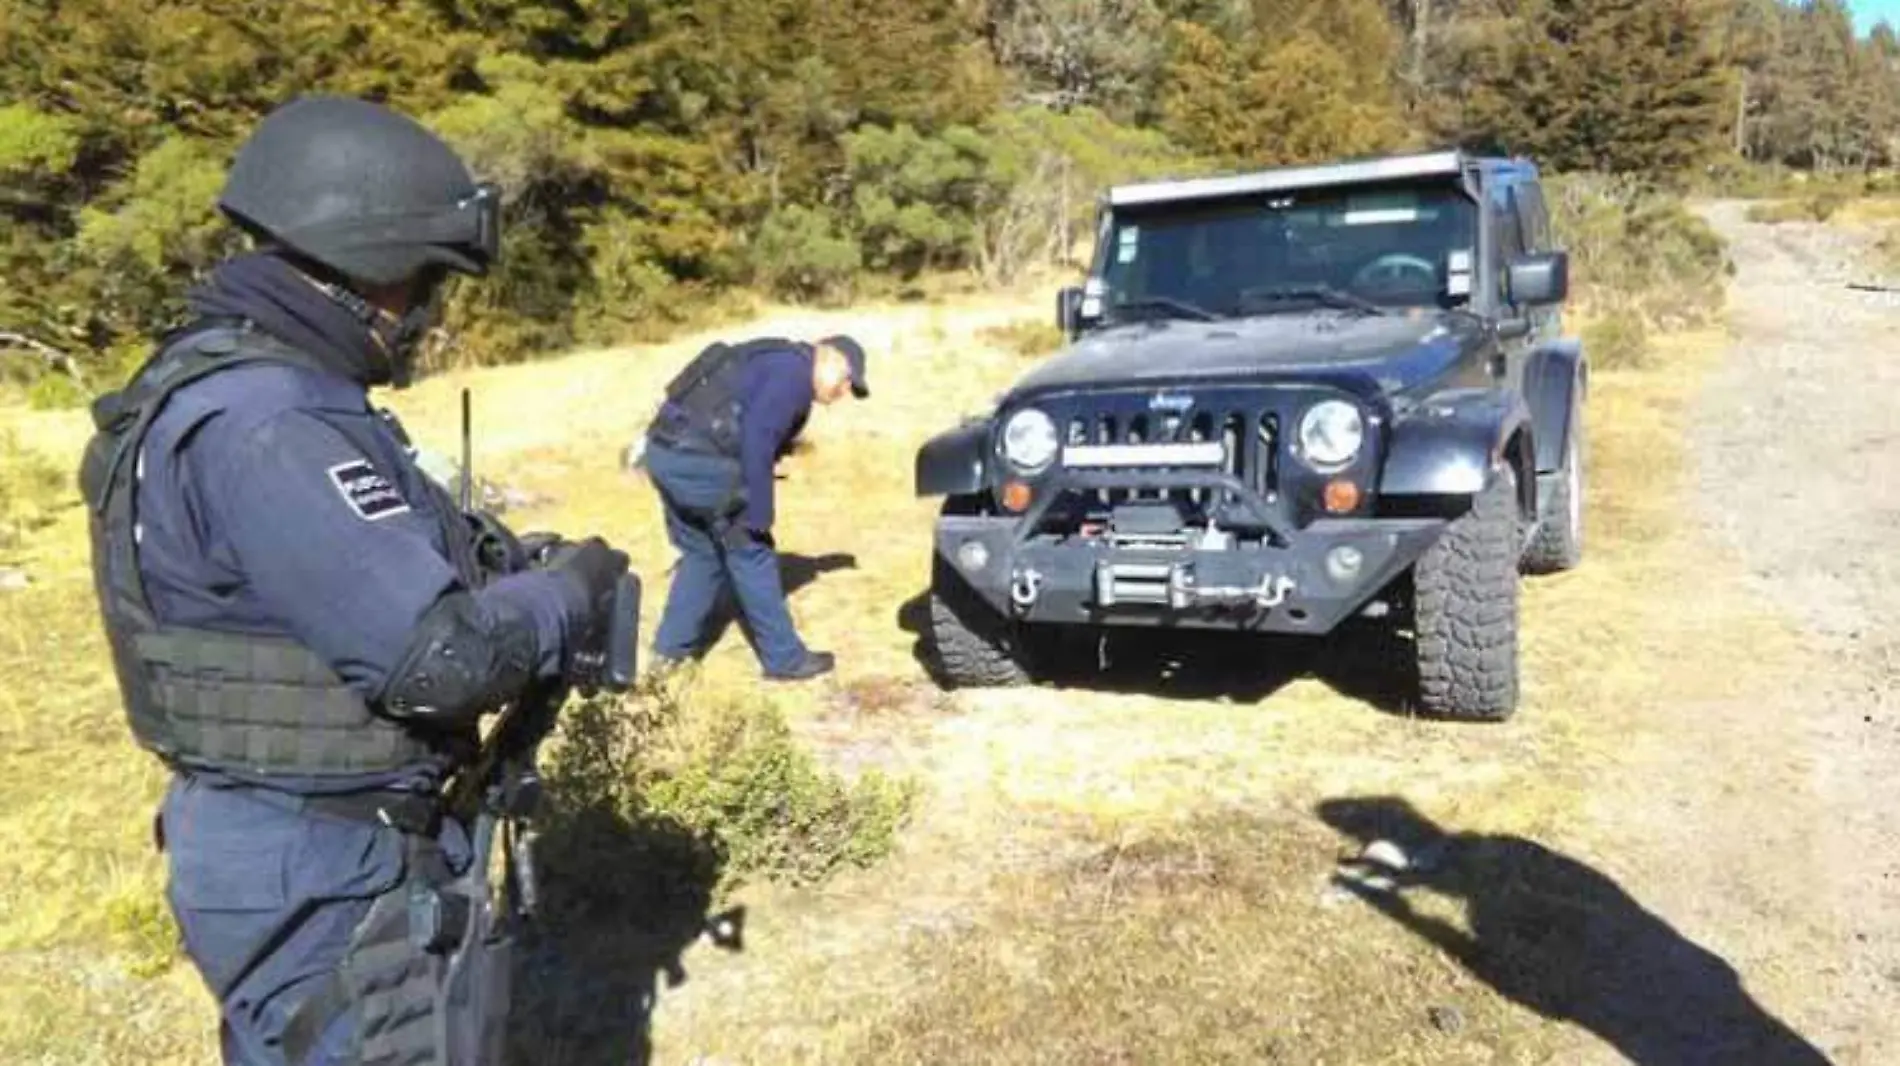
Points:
x=853, y=357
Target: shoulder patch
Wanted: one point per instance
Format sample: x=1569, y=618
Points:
x=367, y=492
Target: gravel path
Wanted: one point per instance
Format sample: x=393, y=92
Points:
x=1797, y=445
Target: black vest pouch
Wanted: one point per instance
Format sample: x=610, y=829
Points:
x=401, y=978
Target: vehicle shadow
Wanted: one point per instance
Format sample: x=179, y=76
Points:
x=1561, y=938
x=1361, y=661
x=621, y=902
x=795, y=572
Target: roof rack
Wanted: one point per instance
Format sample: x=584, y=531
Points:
x=1445, y=164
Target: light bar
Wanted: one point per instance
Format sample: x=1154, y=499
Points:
x=1285, y=179
x=1096, y=456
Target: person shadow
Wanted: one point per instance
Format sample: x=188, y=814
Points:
x=1563, y=939
x=624, y=895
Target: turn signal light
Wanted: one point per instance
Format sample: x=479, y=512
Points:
x=1341, y=496
x=1016, y=496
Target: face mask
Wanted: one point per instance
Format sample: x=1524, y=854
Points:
x=402, y=335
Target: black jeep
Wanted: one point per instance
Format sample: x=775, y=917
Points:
x=1291, y=399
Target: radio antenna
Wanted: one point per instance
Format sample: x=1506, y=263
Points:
x=468, y=475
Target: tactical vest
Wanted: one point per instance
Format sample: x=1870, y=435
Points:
x=200, y=698
x=703, y=405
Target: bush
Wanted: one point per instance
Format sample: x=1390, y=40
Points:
x=1819, y=207
x=30, y=489
x=800, y=254
x=721, y=784
x=1617, y=341
x=1637, y=251
x=1028, y=337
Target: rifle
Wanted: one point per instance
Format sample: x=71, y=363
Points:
x=499, y=789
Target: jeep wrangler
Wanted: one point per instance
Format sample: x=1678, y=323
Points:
x=1289, y=400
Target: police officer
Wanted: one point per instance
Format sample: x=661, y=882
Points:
x=301, y=626
x=727, y=419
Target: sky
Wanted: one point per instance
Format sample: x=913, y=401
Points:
x=1868, y=12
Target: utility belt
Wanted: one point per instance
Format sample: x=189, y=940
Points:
x=414, y=813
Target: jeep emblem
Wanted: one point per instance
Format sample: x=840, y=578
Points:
x=1176, y=402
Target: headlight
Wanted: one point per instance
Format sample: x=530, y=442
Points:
x=1029, y=440
x=1331, y=432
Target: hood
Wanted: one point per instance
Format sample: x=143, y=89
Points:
x=1382, y=354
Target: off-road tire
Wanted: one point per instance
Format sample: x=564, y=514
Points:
x=1464, y=610
x=971, y=644
x=1558, y=545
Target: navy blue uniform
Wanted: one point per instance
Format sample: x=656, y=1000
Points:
x=722, y=545
x=273, y=500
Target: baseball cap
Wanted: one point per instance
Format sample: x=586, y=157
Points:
x=854, y=358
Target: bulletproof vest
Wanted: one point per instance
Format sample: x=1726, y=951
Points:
x=201, y=698
x=703, y=405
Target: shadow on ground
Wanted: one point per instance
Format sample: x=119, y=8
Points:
x=622, y=900
x=1361, y=660
x=1560, y=938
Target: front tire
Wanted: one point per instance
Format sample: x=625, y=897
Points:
x=1465, y=610
x=971, y=644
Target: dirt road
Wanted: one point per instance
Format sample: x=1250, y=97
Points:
x=1797, y=460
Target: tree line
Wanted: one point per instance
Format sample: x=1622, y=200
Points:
x=659, y=153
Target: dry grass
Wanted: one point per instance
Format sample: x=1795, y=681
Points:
x=1093, y=876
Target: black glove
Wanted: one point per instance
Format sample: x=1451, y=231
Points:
x=497, y=551
x=594, y=568
x=593, y=565
x=539, y=547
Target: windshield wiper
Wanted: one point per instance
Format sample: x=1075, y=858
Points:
x=1180, y=308
x=1325, y=294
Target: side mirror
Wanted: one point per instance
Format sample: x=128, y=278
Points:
x=1537, y=280
x=1068, y=309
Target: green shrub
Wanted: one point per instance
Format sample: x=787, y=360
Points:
x=713, y=792
x=1028, y=337
x=31, y=488
x=801, y=254
x=1637, y=250
x=1819, y=207
x=1617, y=341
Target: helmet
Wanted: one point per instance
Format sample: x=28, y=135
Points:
x=362, y=191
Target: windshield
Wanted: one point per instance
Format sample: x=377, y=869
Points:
x=1366, y=249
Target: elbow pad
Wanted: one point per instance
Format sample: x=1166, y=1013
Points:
x=461, y=662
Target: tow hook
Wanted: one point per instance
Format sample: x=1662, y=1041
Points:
x=1273, y=591
x=1025, y=588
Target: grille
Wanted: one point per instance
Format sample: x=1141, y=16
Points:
x=1248, y=426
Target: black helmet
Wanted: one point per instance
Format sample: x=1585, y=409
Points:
x=363, y=191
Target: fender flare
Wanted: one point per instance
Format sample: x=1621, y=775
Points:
x=1445, y=446
x=952, y=462
x=1556, y=380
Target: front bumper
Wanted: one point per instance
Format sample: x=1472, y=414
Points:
x=1283, y=587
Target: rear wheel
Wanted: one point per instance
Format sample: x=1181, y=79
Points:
x=1464, y=610
x=972, y=645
